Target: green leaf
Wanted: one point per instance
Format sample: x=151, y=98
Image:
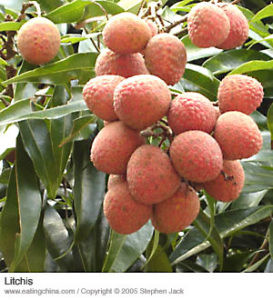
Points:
x=2, y=61
x=125, y=249
x=130, y=5
x=194, y=52
x=255, y=65
x=206, y=84
x=270, y=120
x=247, y=200
x=77, y=66
x=57, y=239
x=226, y=224
x=10, y=26
x=271, y=238
x=257, y=264
x=207, y=261
x=229, y=60
x=89, y=189
x=202, y=222
x=264, y=13
x=159, y=261
x=48, y=5
x=18, y=222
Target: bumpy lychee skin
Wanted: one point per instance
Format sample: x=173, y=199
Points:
x=241, y=93
x=196, y=156
x=191, y=111
x=113, y=147
x=98, y=94
x=115, y=179
x=166, y=57
x=238, y=135
x=229, y=183
x=208, y=26
x=124, y=215
x=152, y=26
x=177, y=212
x=38, y=41
x=141, y=100
x=239, y=28
x=151, y=176
x=125, y=65
x=126, y=33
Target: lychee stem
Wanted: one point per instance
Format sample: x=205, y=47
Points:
x=37, y=7
x=227, y=177
x=182, y=20
x=235, y=2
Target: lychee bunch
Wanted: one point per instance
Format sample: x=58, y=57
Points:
x=161, y=152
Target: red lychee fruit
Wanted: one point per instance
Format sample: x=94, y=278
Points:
x=38, y=41
x=239, y=28
x=177, y=212
x=152, y=26
x=113, y=147
x=238, y=135
x=196, y=156
x=98, y=94
x=166, y=57
x=126, y=33
x=141, y=100
x=150, y=175
x=125, y=65
x=191, y=111
x=208, y=26
x=115, y=179
x=241, y=93
x=124, y=215
x=229, y=183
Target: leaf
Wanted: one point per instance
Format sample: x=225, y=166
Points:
x=255, y=65
x=77, y=66
x=42, y=146
x=57, y=239
x=229, y=60
x=125, y=249
x=271, y=238
x=264, y=13
x=207, y=261
x=23, y=193
x=130, y=5
x=202, y=222
x=206, y=84
x=247, y=200
x=10, y=26
x=89, y=190
x=270, y=120
x=257, y=264
x=159, y=261
x=194, y=52
x=100, y=8
x=226, y=224
x=2, y=61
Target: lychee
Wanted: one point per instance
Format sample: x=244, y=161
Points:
x=98, y=94
x=229, y=183
x=126, y=33
x=141, y=100
x=238, y=135
x=38, y=41
x=125, y=65
x=191, y=111
x=208, y=25
x=241, y=93
x=239, y=28
x=196, y=156
x=177, y=212
x=166, y=57
x=113, y=147
x=124, y=215
x=115, y=179
x=151, y=176
x=152, y=26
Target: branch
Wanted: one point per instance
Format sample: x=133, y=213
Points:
x=235, y=2
x=170, y=27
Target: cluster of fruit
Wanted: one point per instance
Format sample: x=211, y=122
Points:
x=206, y=142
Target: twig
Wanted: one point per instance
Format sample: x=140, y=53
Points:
x=256, y=257
x=235, y=2
x=140, y=7
x=102, y=8
x=182, y=20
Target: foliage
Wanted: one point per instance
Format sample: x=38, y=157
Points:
x=51, y=216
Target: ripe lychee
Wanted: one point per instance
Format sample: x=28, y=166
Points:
x=125, y=65
x=152, y=26
x=98, y=94
x=126, y=33
x=191, y=111
x=141, y=100
x=38, y=41
x=241, y=93
x=151, y=176
x=115, y=179
x=207, y=24
x=177, y=212
x=239, y=28
x=238, y=135
x=196, y=156
x=229, y=183
x=124, y=215
x=166, y=57
x=113, y=147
